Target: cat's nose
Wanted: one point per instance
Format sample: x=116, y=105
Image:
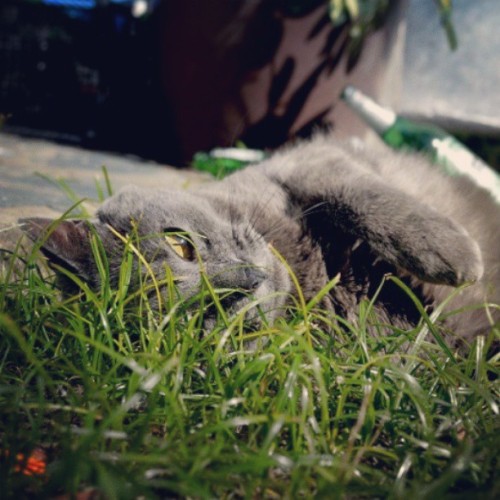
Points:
x=239, y=275
x=253, y=278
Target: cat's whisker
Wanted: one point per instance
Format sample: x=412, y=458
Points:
x=257, y=210
x=304, y=213
x=313, y=208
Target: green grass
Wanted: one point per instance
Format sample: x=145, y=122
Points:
x=138, y=403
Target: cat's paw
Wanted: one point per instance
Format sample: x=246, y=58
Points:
x=440, y=251
x=409, y=234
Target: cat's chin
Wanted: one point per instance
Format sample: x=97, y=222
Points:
x=256, y=312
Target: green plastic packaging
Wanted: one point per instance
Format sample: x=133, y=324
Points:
x=222, y=161
x=444, y=149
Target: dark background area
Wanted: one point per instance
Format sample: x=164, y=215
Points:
x=84, y=72
x=180, y=77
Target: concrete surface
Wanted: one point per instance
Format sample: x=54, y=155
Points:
x=32, y=170
x=458, y=89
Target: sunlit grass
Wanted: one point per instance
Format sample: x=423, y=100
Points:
x=135, y=402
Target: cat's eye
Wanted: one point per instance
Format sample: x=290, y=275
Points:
x=180, y=244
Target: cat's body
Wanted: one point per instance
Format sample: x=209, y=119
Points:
x=326, y=209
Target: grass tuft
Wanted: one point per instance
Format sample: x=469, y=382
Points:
x=134, y=402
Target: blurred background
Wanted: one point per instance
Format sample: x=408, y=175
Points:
x=162, y=79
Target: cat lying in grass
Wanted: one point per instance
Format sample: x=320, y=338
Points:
x=320, y=209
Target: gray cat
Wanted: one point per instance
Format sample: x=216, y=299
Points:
x=325, y=209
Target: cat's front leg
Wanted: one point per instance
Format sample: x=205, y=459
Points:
x=398, y=227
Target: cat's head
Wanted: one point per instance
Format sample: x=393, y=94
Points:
x=168, y=233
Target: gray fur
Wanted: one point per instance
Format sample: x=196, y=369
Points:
x=326, y=209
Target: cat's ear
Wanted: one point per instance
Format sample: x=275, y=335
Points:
x=64, y=242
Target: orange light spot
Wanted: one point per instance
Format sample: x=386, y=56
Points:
x=35, y=464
